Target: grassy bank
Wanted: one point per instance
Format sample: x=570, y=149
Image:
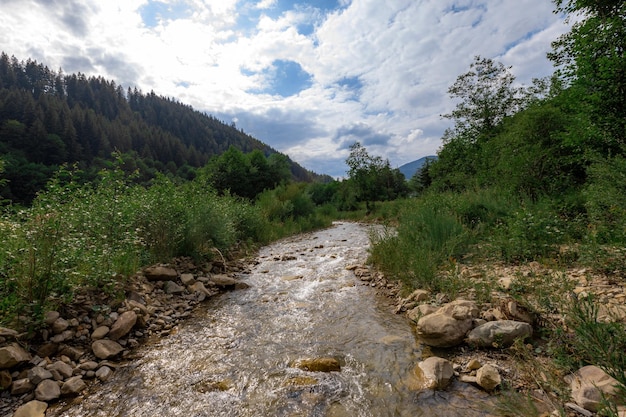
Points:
x=97, y=235
x=460, y=244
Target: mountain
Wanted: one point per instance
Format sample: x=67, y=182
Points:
x=409, y=169
x=48, y=119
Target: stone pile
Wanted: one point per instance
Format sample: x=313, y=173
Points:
x=443, y=324
x=85, y=344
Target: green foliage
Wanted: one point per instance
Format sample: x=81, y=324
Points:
x=47, y=119
x=427, y=240
x=591, y=57
x=245, y=175
x=605, y=194
x=486, y=96
x=372, y=178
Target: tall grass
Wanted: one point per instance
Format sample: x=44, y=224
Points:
x=96, y=235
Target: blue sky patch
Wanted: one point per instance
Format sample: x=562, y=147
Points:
x=155, y=11
x=286, y=78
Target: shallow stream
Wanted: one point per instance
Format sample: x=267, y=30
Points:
x=235, y=356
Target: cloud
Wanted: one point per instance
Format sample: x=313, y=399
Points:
x=306, y=77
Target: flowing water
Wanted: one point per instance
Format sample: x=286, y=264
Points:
x=235, y=356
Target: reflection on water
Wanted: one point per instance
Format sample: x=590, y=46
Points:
x=235, y=357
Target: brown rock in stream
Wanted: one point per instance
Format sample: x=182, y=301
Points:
x=122, y=325
x=33, y=408
x=319, y=365
x=105, y=348
x=13, y=355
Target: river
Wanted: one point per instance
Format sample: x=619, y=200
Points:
x=235, y=357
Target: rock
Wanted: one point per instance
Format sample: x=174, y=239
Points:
x=21, y=386
x=474, y=364
x=171, y=287
x=38, y=374
x=13, y=355
x=500, y=333
x=187, y=279
x=5, y=380
x=100, y=333
x=319, y=365
x=447, y=326
x=590, y=384
x=62, y=369
x=88, y=366
x=73, y=386
x=50, y=317
x=47, y=390
x=47, y=350
x=5, y=332
x=223, y=281
x=421, y=311
x=123, y=325
x=433, y=373
x=199, y=287
x=488, y=377
x=104, y=373
x=105, y=349
x=160, y=273
x=32, y=408
x=71, y=352
x=59, y=325
x=133, y=304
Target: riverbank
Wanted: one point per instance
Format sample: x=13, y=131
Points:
x=532, y=380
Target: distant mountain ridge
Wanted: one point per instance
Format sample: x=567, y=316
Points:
x=409, y=169
x=48, y=118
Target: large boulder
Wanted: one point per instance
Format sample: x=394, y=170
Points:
x=447, y=326
x=13, y=355
x=500, y=333
x=590, y=385
x=105, y=348
x=122, y=325
x=433, y=373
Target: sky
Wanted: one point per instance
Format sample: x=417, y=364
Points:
x=309, y=77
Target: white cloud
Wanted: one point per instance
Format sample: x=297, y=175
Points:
x=383, y=67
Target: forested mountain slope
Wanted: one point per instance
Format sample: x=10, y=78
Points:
x=48, y=118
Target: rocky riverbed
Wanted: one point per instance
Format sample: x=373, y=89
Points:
x=460, y=343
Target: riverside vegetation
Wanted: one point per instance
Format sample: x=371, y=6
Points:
x=525, y=206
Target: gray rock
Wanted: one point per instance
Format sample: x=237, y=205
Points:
x=104, y=373
x=32, y=408
x=21, y=386
x=63, y=369
x=50, y=317
x=160, y=273
x=105, y=348
x=187, y=279
x=488, y=377
x=223, y=281
x=13, y=355
x=47, y=390
x=59, y=325
x=88, y=366
x=170, y=287
x=123, y=325
x=420, y=311
x=100, y=333
x=73, y=386
x=38, y=374
x=433, y=373
x=590, y=384
x=500, y=333
x=441, y=330
x=71, y=352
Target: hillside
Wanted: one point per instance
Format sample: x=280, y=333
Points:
x=409, y=169
x=48, y=118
